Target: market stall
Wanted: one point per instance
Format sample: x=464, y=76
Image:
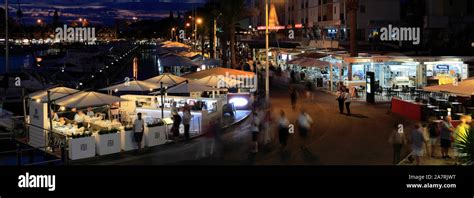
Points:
x=105, y=133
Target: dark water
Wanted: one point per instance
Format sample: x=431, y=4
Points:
x=144, y=65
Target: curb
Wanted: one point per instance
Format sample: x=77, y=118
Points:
x=237, y=122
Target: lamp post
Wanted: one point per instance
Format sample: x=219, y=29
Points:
x=198, y=22
x=172, y=33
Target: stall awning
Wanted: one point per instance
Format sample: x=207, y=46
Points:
x=55, y=93
x=167, y=79
x=217, y=71
x=189, y=87
x=87, y=99
x=466, y=88
x=169, y=60
x=171, y=44
x=134, y=85
x=217, y=81
x=314, y=63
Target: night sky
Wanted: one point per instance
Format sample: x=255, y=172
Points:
x=99, y=11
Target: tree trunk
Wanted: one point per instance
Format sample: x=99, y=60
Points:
x=233, y=62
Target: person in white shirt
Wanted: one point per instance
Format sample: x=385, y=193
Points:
x=304, y=125
x=283, y=132
x=138, y=129
x=55, y=116
x=90, y=113
x=255, y=130
x=79, y=118
x=347, y=101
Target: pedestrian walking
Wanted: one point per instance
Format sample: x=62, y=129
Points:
x=397, y=139
x=304, y=126
x=255, y=131
x=417, y=141
x=347, y=101
x=293, y=97
x=283, y=130
x=340, y=100
x=176, y=120
x=186, y=122
x=138, y=130
x=434, y=132
x=211, y=134
x=267, y=120
x=446, y=133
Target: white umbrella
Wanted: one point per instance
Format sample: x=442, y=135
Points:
x=466, y=87
x=167, y=79
x=55, y=93
x=134, y=85
x=217, y=81
x=190, y=87
x=88, y=99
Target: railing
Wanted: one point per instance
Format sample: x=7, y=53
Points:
x=54, y=140
x=19, y=155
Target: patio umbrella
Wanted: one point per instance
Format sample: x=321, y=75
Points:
x=465, y=87
x=207, y=62
x=190, y=87
x=219, y=71
x=55, y=93
x=217, y=81
x=309, y=62
x=88, y=99
x=167, y=79
x=134, y=85
x=169, y=60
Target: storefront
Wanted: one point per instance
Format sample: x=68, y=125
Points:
x=392, y=71
x=202, y=109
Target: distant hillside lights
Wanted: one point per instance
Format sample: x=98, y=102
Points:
x=75, y=34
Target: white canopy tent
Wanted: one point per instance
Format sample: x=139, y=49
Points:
x=167, y=79
x=87, y=99
x=217, y=81
x=134, y=85
x=190, y=87
x=55, y=93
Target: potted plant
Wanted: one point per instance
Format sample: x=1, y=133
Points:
x=81, y=145
x=465, y=146
x=155, y=133
x=107, y=141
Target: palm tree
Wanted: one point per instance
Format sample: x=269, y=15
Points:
x=232, y=11
x=466, y=146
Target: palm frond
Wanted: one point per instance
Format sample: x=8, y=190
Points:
x=465, y=145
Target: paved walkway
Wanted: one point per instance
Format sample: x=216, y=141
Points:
x=360, y=139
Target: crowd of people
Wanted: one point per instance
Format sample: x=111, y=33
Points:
x=425, y=139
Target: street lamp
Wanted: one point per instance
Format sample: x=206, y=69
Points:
x=188, y=24
x=39, y=21
x=198, y=22
x=172, y=33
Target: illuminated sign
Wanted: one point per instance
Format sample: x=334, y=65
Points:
x=299, y=25
x=271, y=27
x=239, y=102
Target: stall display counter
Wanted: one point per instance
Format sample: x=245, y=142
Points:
x=81, y=148
x=155, y=135
x=127, y=141
x=107, y=143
